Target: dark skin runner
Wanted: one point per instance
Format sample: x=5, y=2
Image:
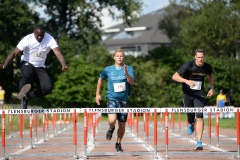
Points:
x=39, y=35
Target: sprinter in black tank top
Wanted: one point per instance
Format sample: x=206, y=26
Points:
x=193, y=73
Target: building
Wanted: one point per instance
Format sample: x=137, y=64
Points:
x=139, y=39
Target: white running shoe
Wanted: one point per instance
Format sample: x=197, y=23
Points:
x=23, y=91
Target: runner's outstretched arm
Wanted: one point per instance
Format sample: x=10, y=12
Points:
x=10, y=58
x=61, y=59
x=211, y=81
x=99, y=87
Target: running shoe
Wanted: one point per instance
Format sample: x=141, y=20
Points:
x=109, y=133
x=191, y=128
x=24, y=102
x=23, y=91
x=199, y=145
x=118, y=147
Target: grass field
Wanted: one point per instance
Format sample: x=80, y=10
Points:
x=223, y=123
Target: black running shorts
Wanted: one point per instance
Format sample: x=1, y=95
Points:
x=193, y=101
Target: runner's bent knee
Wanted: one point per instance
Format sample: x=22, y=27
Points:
x=46, y=90
x=112, y=118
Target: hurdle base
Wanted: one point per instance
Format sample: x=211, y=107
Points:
x=155, y=157
x=236, y=157
x=6, y=158
x=21, y=147
x=167, y=157
x=75, y=157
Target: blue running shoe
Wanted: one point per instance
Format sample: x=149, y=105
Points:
x=199, y=145
x=191, y=128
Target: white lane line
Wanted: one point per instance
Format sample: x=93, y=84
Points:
x=193, y=141
x=215, y=148
x=29, y=147
x=150, y=148
x=90, y=146
x=39, y=142
x=223, y=136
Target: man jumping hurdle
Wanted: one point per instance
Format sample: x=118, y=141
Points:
x=194, y=72
x=35, y=48
x=120, y=78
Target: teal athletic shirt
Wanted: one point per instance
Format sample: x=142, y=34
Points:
x=118, y=86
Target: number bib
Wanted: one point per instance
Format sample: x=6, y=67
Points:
x=198, y=85
x=37, y=55
x=119, y=87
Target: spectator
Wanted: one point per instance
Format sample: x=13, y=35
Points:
x=2, y=93
x=221, y=100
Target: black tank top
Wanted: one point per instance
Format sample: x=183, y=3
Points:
x=191, y=71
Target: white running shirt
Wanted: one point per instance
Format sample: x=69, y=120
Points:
x=36, y=52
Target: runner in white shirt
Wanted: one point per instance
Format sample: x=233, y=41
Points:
x=35, y=48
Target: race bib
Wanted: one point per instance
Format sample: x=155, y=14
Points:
x=198, y=85
x=119, y=87
x=37, y=55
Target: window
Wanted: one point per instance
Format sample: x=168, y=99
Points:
x=128, y=35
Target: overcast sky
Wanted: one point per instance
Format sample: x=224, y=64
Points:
x=150, y=5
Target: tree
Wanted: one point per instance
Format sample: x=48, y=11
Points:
x=212, y=25
x=77, y=87
x=80, y=19
x=216, y=29
x=16, y=21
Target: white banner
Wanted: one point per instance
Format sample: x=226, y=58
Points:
x=122, y=110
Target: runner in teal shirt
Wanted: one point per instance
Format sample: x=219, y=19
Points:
x=120, y=78
x=117, y=78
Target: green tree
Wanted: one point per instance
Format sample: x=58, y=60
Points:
x=77, y=87
x=212, y=25
x=80, y=19
x=215, y=28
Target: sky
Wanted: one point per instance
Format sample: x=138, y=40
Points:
x=150, y=5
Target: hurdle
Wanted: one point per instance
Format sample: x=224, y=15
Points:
x=92, y=120
x=169, y=110
x=86, y=154
x=37, y=111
